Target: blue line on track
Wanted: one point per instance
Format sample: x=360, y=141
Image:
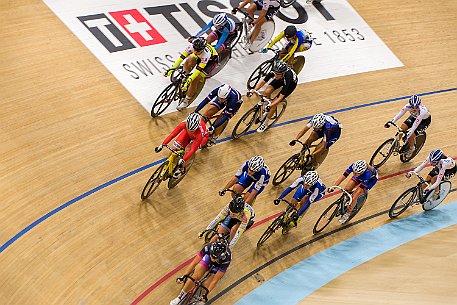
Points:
x=301, y=280
x=106, y=184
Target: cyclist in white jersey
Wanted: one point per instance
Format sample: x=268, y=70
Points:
x=418, y=121
x=444, y=168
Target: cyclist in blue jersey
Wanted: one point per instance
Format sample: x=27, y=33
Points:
x=254, y=174
x=298, y=40
x=223, y=98
x=325, y=127
x=225, y=32
x=364, y=176
x=310, y=189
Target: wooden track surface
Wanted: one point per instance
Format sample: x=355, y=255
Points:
x=67, y=126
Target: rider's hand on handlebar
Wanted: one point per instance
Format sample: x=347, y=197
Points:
x=387, y=125
x=276, y=201
x=202, y=234
x=409, y=174
x=222, y=192
x=168, y=72
x=158, y=148
x=191, y=38
x=293, y=142
x=250, y=92
x=234, y=10
x=181, y=162
x=263, y=50
x=180, y=279
x=330, y=189
x=211, y=130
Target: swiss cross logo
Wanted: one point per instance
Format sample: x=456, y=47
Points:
x=138, y=27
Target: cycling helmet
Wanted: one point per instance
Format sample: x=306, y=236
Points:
x=220, y=19
x=290, y=31
x=218, y=250
x=236, y=205
x=199, y=44
x=318, y=120
x=280, y=67
x=311, y=178
x=359, y=166
x=223, y=91
x=436, y=155
x=414, y=101
x=256, y=163
x=193, y=121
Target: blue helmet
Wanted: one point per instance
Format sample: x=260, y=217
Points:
x=436, y=155
x=414, y=101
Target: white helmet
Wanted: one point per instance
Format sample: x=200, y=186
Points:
x=193, y=121
x=318, y=120
x=220, y=19
x=224, y=91
x=310, y=178
x=359, y=166
x=256, y=163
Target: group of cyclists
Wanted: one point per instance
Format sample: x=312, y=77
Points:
x=254, y=175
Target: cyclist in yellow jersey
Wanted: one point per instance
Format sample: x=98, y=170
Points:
x=298, y=41
x=198, y=53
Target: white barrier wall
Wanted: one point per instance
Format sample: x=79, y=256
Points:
x=138, y=40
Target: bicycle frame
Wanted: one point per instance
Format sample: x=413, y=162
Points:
x=341, y=204
x=419, y=188
x=171, y=159
x=197, y=285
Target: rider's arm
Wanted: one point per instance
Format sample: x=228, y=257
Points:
x=417, y=121
x=290, y=188
x=175, y=132
x=313, y=195
x=445, y=164
x=205, y=28
x=424, y=164
x=181, y=58
x=225, y=33
x=260, y=84
x=275, y=40
x=245, y=2
x=304, y=130
x=207, y=99
x=400, y=114
x=221, y=216
x=199, y=134
x=231, y=183
x=344, y=176
x=291, y=51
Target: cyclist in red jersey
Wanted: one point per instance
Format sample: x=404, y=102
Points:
x=191, y=131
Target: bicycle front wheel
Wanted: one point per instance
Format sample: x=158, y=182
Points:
x=246, y=121
x=403, y=202
x=383, y=153
x=259, y=73
x=153, y=182
x=326, y=217
x=286, y=169
x=271, y=229
x=168, y=95
x=433, y=200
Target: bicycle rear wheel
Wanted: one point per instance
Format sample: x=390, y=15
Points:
x=432, y=201
x=326, y=217
x=259, y=73
x=166, y=97
x=403, y=202
x=383, y=153
x=246, y=122
x=153, y=182
x=271, y=229
x=280, y=108
x=286, y=169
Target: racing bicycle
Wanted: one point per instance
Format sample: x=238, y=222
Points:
x=257, y=114
x=173, y=92
x=301, y=161
x=393, y=146
x=338, y=208
x=165, y=171
x=416, y=195
x=282, y=221
x=264, y=68
x=198, y=294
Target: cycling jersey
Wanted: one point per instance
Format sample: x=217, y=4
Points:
x=227, y=29
x=208, y=53
x=330, y=132
x=288, y=81
x=313, y=191
x=246, y=217
x=232, y=104
x=303, y=39
x=199, y=137
x=420, y=113
x=366, y=180
x=446, y=168
x=266, y=4
x=259, y=179
x=214, y=266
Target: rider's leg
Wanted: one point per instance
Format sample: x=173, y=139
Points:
x=193, y=87
x=256, y=30
x=350, y=185
x=199, y=272
x=222, y=229
x=211, y=37
x=251, y=10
